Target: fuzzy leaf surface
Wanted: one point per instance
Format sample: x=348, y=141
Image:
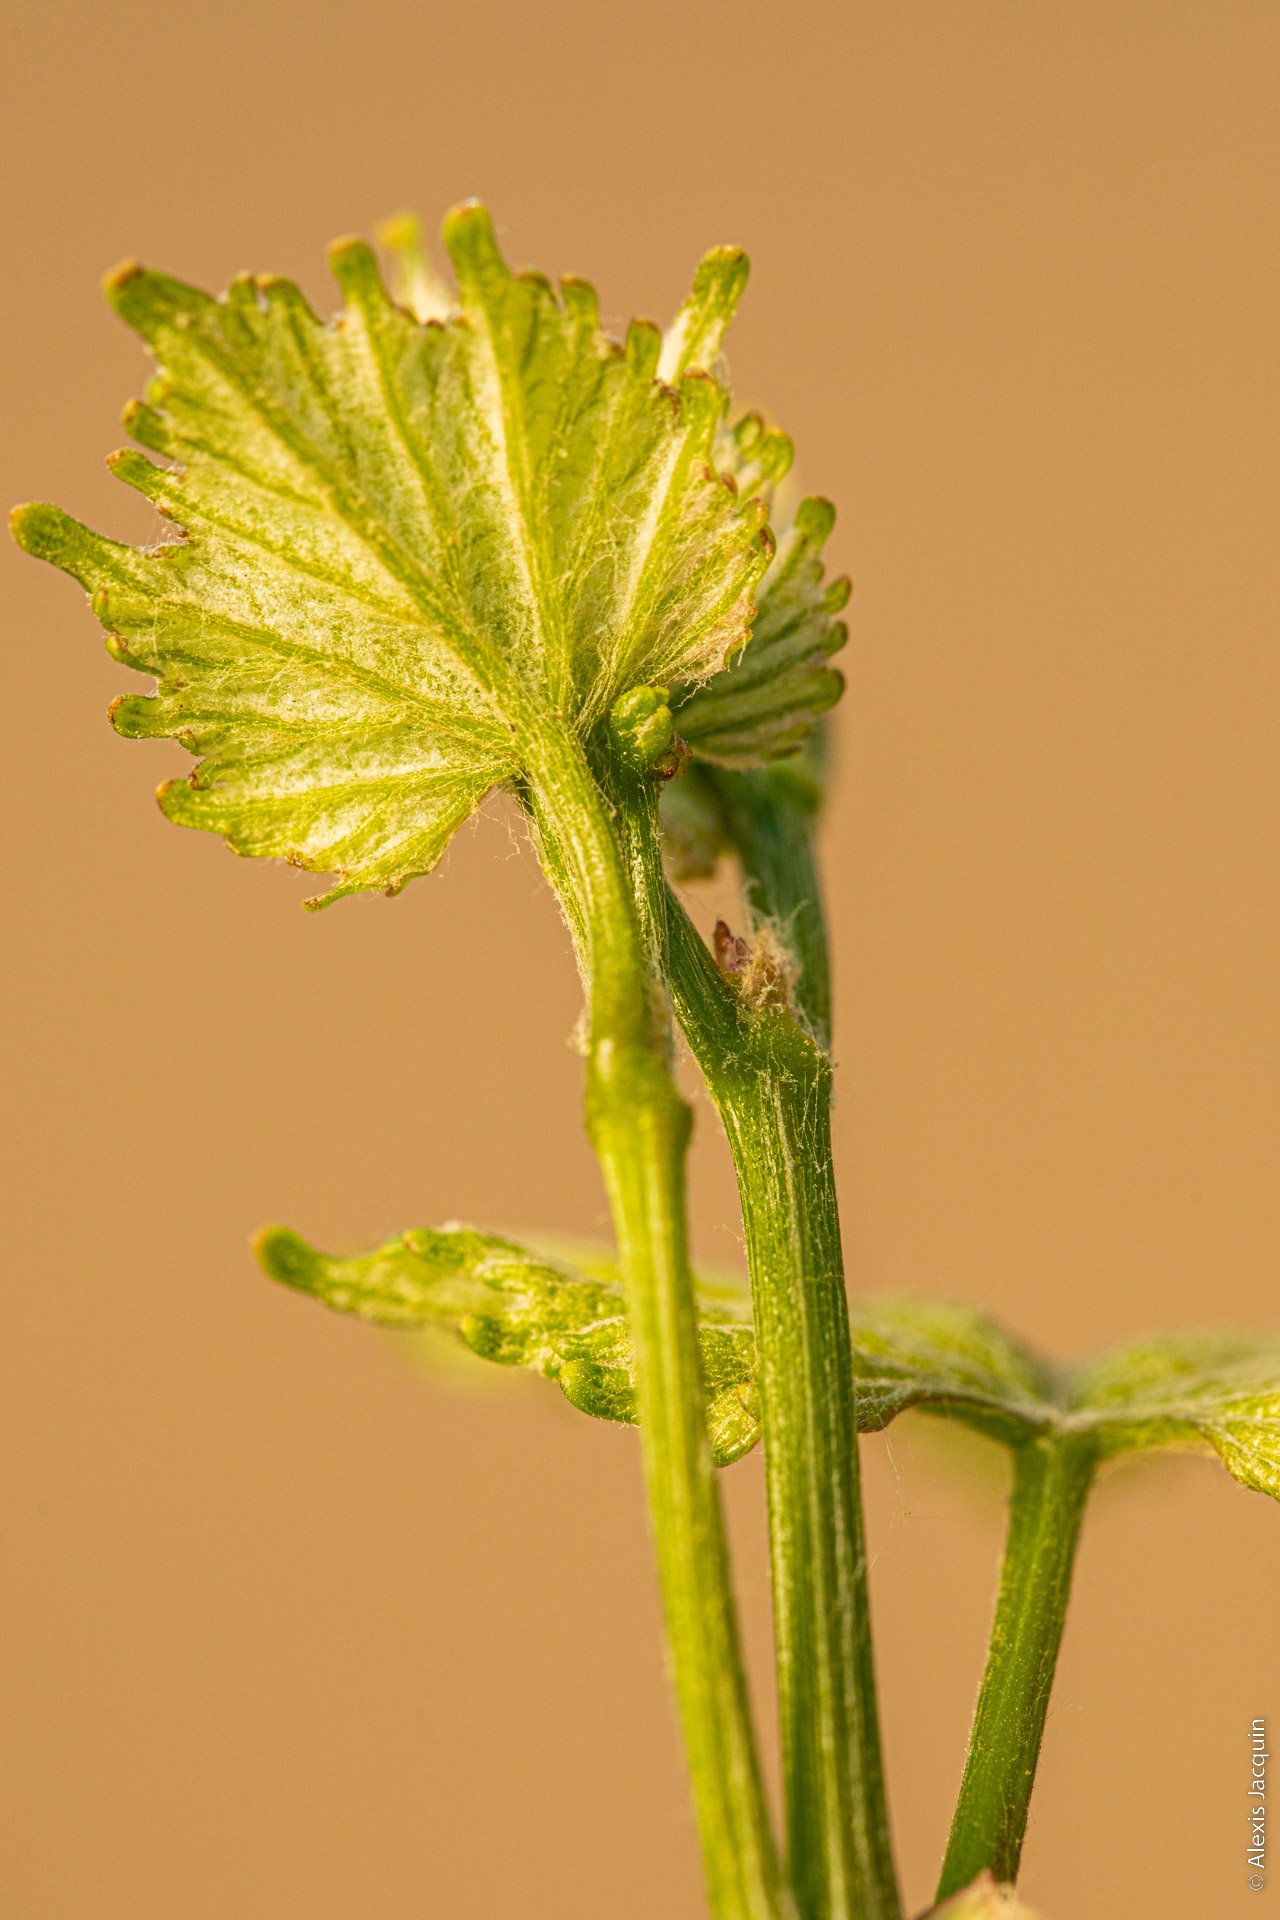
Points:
x=403, y=547
x=1181, y=1391
x=1221, y=1391
x=945, y=1359
x=765, y=702
x=524, y=1309
x=566, y=1318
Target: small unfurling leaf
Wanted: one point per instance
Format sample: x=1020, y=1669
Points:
x=764, y=703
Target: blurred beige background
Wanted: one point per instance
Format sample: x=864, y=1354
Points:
x=289, y=1635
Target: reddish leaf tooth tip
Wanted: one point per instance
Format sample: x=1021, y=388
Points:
x=468, y=212
x=120, y=276
x=468, y=235
x=266, y=1244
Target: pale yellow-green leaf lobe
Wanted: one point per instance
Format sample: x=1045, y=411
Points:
x=398, y=548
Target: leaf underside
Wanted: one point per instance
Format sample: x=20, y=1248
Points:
x=567, y=1320
x=402, y=546
x=1219, y=1389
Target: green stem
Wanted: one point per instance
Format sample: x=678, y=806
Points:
x=1051, y=1480
x=639, y=1127
x=772, y=1085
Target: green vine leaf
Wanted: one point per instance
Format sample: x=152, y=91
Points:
x=948, y=1360
x=402, y=549
x=1221, y=1391
x=566, y=1318
x=521, y=1307
x=525, y=1309
x=1181, y=1391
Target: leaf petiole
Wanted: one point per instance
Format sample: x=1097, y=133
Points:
x=639, y=1126
x=1052, y=1475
